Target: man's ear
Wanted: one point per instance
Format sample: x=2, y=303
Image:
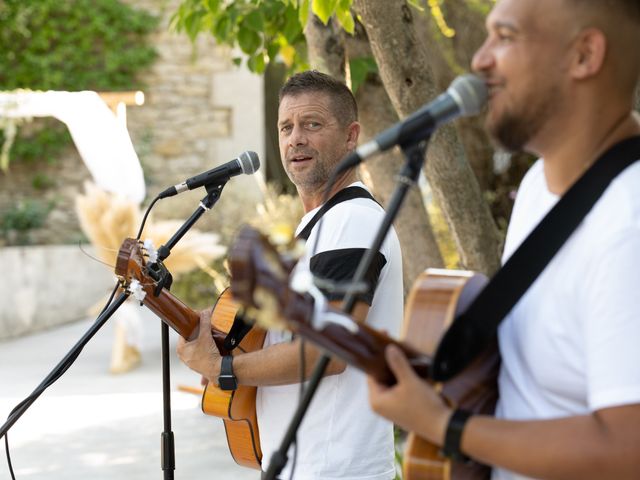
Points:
x=590, y=51
x=353, y=132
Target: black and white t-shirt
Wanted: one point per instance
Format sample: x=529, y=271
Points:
x=340, y=437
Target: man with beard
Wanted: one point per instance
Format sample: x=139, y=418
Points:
x=561, y=76
x=340, y=437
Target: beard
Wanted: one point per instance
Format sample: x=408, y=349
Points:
x=514, y=129
x=312, y=179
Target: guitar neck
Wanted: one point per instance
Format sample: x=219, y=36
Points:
x=181, y=318
x=360, y=346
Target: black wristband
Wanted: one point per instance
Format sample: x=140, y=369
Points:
x=227, y=380
x=453, y=436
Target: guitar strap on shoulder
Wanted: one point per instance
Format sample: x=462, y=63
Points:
x=240, y=326
x=343, y=195
x=473, y=330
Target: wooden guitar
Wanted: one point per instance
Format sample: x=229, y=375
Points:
x=260, y=282
x=236, y=408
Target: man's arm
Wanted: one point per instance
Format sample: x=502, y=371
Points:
x=604, y=444
x=275, y=365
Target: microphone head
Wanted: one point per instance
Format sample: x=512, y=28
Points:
x=249, y=162
x=470, y=93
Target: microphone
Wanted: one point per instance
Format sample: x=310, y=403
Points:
x=248, y=162
x=466, y=96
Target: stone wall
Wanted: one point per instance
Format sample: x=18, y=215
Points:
x=42, y=286
x=200, y=111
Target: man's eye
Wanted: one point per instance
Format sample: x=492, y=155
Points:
x=285, y=129
x=313, y=125
x=504, y=35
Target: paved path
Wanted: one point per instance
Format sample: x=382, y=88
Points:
x=94, y=425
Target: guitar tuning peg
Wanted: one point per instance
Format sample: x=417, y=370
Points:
x=151, y=250
x=135, y=287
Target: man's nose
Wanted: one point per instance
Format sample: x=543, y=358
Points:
x=298, y=136
x=483, y=59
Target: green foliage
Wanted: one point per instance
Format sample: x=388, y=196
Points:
x=265, y=31
x=25, y=215
x=71, y=45
x=42, y=145
x=42, y=181
x=361, y=67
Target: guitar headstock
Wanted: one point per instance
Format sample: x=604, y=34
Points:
x=260, y=278
x=131, y=269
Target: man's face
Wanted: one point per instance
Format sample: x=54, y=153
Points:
x=523, y=61
x=312, y=141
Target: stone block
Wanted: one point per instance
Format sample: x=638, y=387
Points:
x=45, y=286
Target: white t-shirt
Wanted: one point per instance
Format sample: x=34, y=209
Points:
x=571, y=346
x=340, y=437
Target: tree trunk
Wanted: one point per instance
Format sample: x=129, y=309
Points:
x=326, y=48
x=413, y=225
x=409, y=82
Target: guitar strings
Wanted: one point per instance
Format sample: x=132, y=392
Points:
x=112, y=267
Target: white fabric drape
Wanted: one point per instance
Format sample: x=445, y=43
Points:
x=101, y=139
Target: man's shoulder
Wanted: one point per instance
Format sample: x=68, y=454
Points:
x=618, y=210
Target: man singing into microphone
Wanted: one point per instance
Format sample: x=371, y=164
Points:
x=561, y=77
x=340, y=437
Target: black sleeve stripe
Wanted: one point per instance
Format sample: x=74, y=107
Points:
x=340, y=266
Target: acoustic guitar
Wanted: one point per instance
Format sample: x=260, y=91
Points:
x=261, y=283
x=236, y=408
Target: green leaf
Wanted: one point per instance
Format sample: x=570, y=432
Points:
x=256, y=63
x=212, y=5
x=303, y=12
x=248, y=40
x=222, y=28
x=324, y=9
x=360, y=67
x=345, y=19
x=273, y=48
x=192, y=25
x=254, y=20
x=292, y=28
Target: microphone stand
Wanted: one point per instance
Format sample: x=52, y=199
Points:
x=414, y=153
x=159, y=273
x=64, y=364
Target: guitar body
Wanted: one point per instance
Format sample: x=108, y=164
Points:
x=435, y=299
x=236, y=408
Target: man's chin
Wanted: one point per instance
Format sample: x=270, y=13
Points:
x=507, y=134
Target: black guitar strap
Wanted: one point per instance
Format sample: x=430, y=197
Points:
x=473, y=330
x=240, y=326
x=343, y=195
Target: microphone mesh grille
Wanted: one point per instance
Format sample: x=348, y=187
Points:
x=249, y=162
x=471, y=91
